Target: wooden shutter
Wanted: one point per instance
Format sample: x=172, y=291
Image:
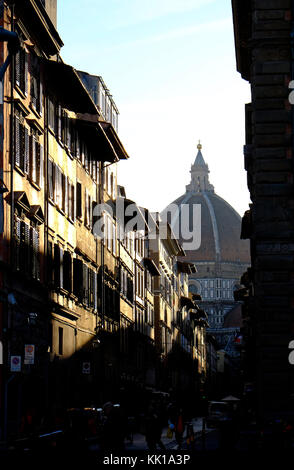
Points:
x=85, y=284
x=66, y=195
x=95, y=288
x=17, y=244
x=79, y=200
x=50, y=263
x=58, y=266
x=33, y=168
x=67, y=270
x=26, y=151
x=17, y=140
x=51, y=179
x=41, y=161
x=78, y=278
x=17, y=68
x=26, y=248
x=35, y=254
x=40, y=97
x=26, y=73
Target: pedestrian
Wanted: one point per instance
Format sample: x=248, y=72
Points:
x=179, y=428
x=113, y=429
x=153, y=428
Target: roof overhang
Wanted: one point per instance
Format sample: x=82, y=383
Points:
x=114, y=139
x=129, y=215
x=151, y=266
x=68, y=87
x=186, y=302
x=101, y=148
x=188, y=268
x=35, y=17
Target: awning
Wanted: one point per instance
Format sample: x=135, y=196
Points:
x=196, y=297
x=186, y=302
x=114, y=139
x=101, y=148
x=126, y=211
x=68, y=87
x=184, y=267
x=151, y=266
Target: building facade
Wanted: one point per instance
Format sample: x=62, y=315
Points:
x=264, y=53
x=222, y=256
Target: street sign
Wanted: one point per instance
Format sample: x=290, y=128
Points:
x=86, y=368
x=15, y=364
x=29, y=354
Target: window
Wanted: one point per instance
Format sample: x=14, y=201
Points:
x=79, y=200
x=21, y=143
x=27, y=251
x=60, y=341
x=36, y=160
x=36, y=92
x=21, y=70
x=88, y=204
x=58, y=267
x=67, y=271
x=71, y=200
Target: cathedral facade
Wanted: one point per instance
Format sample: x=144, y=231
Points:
x=221, y=258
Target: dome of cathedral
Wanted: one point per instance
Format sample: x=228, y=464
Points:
x=220, y=223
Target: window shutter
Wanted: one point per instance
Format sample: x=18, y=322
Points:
x=79, y=200
x=85, y=284
x=26, y=73
x=22, y=145
x=40, y=96
x=27, y=249
x=66, y=195
x=51, y=179
x=72, y=190
x=41, y=167
x=78, y=151
x=33, y=169
x=22, y=70
x=95, y=287
x=50, y=263
x=78, y=278
x=38, y=162
x=17, y=140
x=35, y=257
x=58, y=266
x=59, y=127
x=17, y=244
x=17, y=68
x=67, y=274
x=26, y=151
x=86, y=207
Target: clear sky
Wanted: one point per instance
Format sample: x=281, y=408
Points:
x=170, y=66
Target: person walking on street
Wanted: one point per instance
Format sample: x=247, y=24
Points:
x=179, y=428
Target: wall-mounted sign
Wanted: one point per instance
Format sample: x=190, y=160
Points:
x=15, y=363
x=29, y=354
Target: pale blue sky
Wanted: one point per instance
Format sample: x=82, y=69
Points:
x=170, y=66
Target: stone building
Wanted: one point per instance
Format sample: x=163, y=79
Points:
x=264, y=53
x=59, y=281
x=222, y=256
